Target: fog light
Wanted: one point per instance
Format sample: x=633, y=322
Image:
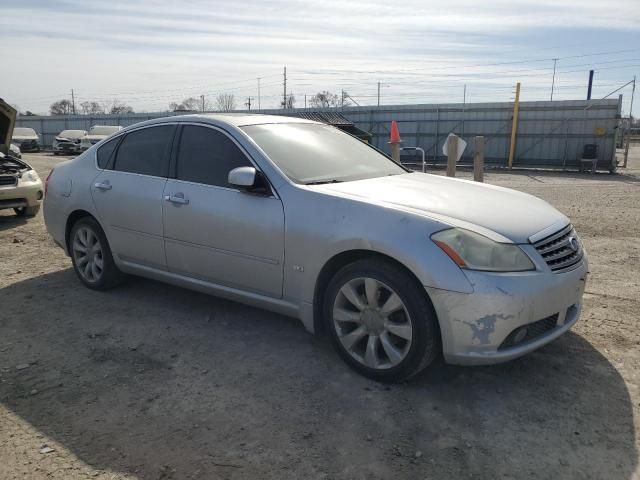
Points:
x=520, y=335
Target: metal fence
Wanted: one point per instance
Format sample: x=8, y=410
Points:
x=549, y=134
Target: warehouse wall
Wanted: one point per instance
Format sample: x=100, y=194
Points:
x=549, y=133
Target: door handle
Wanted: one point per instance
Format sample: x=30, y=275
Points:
x=177, y=198
x=103, y=186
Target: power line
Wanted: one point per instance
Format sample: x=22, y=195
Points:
x=341, y=72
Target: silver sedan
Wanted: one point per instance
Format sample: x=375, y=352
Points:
x=297, y=217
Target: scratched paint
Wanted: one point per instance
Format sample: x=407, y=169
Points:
x=484, y=327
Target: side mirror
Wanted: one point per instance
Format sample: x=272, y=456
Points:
x=242, y=177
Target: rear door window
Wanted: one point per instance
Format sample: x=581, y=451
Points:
x=105, y=152
x=145, y=151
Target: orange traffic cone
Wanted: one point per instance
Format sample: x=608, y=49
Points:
x=395, y=133
x=394, y=141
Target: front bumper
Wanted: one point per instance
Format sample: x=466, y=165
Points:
x=479, y=328
x=28, y=146
x=67, y=148
x=25, y=194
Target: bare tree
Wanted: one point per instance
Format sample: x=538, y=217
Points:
x=117, y=107
x=291, y=101
x=91, y=108
x=61, y=107
x=225, y=102
x=324, y=99
x=190, y=104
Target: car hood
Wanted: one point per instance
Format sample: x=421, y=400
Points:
x=68, y=139
x=22, y=138
x=512, y=214
x=95, y=137
x=8, y=116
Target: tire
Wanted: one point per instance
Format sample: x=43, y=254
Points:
x=27, y=211
x=91, y=256
x=381, y=341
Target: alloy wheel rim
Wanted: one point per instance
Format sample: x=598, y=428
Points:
x=87, y=251
x=372, y=323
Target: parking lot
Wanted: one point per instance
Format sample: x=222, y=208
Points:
x=149, y=381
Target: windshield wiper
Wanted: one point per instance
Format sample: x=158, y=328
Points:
x=322, y=182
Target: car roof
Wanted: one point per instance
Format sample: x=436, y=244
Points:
x=235, y=119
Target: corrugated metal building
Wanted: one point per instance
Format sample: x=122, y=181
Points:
x=550, y=134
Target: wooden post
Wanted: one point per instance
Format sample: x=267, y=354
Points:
x=452, y=155
x=395, y=152
x=514, y=125
x=478, y=159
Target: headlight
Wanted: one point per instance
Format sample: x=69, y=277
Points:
x=30, y=176
x=476, y=252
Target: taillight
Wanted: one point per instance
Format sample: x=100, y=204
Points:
x=46, y=183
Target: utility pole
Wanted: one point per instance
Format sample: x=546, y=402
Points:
x=626, y=148
x=202, y=98
x=553, y=81
x=73, y=102
x=378, y=93
x=284, y=96
x=514, y=126
x=259, y=93
x=590, y=85
x=248, y=103
x=464, y=106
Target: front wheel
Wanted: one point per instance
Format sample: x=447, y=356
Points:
x=91, y=256
x=381, y=320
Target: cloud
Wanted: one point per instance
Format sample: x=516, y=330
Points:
x=156, y=51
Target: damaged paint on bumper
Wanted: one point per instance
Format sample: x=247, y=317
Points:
x=474, y=325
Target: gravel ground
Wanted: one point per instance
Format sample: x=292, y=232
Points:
x=149, y=381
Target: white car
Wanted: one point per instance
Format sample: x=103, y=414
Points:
x=15, y=151
x=96, y=134
x=68, y=142
x=26, y=138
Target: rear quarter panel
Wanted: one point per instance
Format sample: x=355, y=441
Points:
x=69, y=190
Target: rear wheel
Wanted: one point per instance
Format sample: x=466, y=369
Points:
x=91, y=256
x=381, y=320
x=27, y=211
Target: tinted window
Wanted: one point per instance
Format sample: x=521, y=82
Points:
x=105, y=152
x=207, y=156
x=145, y=151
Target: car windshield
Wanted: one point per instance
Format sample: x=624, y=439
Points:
x=72, y=133
x=103, y=130
x=313, y=153
x=23, y=132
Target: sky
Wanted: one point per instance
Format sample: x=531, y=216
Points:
x=149, y=53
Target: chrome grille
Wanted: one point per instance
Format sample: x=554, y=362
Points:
x=561, y=250
x=8, y=180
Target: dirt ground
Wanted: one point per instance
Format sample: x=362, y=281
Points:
x=153, y=382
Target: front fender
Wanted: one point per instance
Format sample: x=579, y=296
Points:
x=337, y=225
